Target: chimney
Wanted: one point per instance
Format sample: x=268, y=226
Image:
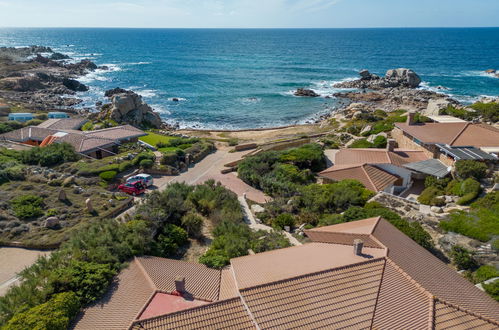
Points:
x=358, y=244
x=391, y=144
x=180, y=284
x=411, y=116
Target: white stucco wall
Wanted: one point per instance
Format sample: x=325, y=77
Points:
x=399, y=171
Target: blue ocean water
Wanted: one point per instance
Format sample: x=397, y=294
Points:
x=244, y=78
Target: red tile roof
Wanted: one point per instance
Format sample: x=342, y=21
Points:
x=372, y=177
x=453, y=134
x=397, y=157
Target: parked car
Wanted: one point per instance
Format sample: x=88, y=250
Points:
x=146, y=179
x=133, y=188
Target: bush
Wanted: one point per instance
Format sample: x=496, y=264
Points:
x=88, y=280
x=160, y=145
x=462, y=258
x=489, y=111
x=361, y=143
x=169, y=158
x=50, y=155
x=27, y=206
x=146, y=163
x=34, y=122
x=55, y=314
x=492, y=289
x=441, y=184
x=125, y=166
x=143, y=155
x=469, y=191
x=429, y=197
x=470, y=169
x=108, y=175
x=484, y=273
x=282, y=220
x=193, y=223
x=233, y=142
x=489, y=201
x=379, y=142
x=214, y=259
x=170, y=239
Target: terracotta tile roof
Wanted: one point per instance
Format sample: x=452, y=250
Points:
x=344, y=297
x=200, y=281
x=346, y=233
x=373, y=178
x=278, y=265
x=228, y=287
x=121, y=304
x=454, y=134
x=433, y=275
x=63, y=123
x=397, y=157
x=117, y=133
x=449, y=317
x=225, y=314
x=401, y=304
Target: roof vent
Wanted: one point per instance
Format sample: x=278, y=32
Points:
x=180, y=284
x=358, y=244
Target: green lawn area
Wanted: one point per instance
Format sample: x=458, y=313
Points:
x=153, y=139
x=169, y=149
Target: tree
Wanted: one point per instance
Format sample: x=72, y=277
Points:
x=283, y=220
x=193, y=223
x=55, y=314
x=172, y=237
x=470, y=169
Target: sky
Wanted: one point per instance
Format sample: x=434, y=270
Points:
x=249, y=13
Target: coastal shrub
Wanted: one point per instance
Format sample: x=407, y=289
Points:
x=108, y=175
x=488, y=111
x=88, y=126
x=233, y=142
x=266, y=241
x=105, y=168
x=55, y=314
x=488, y=201
x=169, y=158
x=193, y=224
x=88, y=280
x=146, y=163
x=309, y=156
x=469, y=190
x=492, y=289
x=175, y=142
x=125, y=166
x=27, y=206
x=50, y=155
x=170, y=239
x=282, y=220
x=361, y=143
x=160, y=145
x=441, y=184
x=429, y=196
x=143, y=155
x=330, y=219
x=9, y=126
x=459, y=113
x=470, y=169
x=485, y=273
x=33, y=122
x=462, y=258
x=379, y=142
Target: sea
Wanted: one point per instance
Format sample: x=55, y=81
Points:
x=245, y=78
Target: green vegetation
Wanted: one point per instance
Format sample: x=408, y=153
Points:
x=459, y=113
x=485, y=273
x=146, y=163
x=27, y=206
x=492, y=289
x=55, y=314
x=488, y=112
x=379, y=121
x=108, y=176
x=280, y=173
x=50, y=155
x=462, y=258
x=480, y=222
x=378, y=142
x=94, y=125
x=468, y=190
x=431, y=196
x=471, y=169
x=154, y=138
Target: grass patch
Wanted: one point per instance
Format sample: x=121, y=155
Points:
x=154, y=138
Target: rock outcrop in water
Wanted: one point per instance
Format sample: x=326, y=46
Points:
x=395, y=78
x=305, y=92
x=492, y=72
x=128, y=107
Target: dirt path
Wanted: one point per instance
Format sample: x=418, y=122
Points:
x=12, y=261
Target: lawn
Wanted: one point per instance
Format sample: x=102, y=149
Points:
x=153, y=138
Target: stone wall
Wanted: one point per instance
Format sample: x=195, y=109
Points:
x=405, y=142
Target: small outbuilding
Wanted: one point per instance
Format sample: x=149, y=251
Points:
x=57, y=115
x=21, y=116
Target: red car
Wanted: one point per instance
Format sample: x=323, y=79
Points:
x=133, y=188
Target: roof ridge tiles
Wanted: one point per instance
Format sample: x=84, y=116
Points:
x=459, y=133
x=146, y=275
x=243, y=301
x=373, y=229
x=379, y=290
x=143, y=308
x=409, y=278
x=363, y=167
x=461, y=309
x=312, y=273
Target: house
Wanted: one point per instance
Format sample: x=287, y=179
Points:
x=96, y=144
x=432, y=137
x=57, y=115
x=357, y=275
x=379, y=169
x=21, y=116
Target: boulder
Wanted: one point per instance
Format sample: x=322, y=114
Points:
x=435, y=105
x=62, y=195
x=58, y=56
x=255, y=208
x=403, y=77
x=436, y=209
x=129, y=108
x=305, y=92
x=490, y=71
x=74, y=85
x=51, y=222
x=70, y=180
x=113, y=91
